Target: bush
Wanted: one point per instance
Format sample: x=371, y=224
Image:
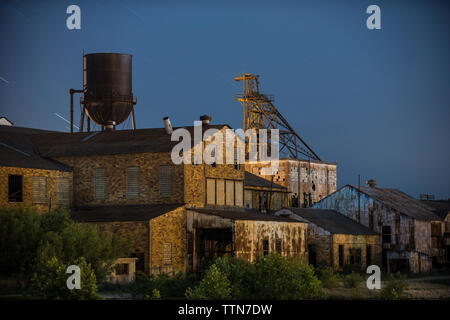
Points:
x=168, y=286
x=395, y=287
x=50, y=281
x=277, y=277
x=352, y=268
x=328, y=278
x=29, y=239
x=352, y=280
x=214, y=285
x=240, y=273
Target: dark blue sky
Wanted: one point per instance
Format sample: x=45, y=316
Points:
x=375, y=101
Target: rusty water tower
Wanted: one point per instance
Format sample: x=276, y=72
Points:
x=107, y=91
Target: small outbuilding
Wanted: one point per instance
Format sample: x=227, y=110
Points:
x=335, y=240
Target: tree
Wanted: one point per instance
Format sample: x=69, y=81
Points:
x=214, y=285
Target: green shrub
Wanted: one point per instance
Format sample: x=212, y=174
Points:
x=352, y=280
x=328, y=277
x=49, y=281
x=351, y=268
x=168, y=286
x=29, y=239
x=214, y=285
x=277, y=277
x=240, y=273
x=395, y=287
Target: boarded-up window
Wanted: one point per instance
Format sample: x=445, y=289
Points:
x=133, y=183
x=229, y=198
x=303, y=175
x=100, y=183
x=62, y=191
x=15, y=188
x=210, y=191
x=239, y=193
x=40, y=190
x=220, y=190
x=165, y=181
x=248, y=201
x=265, y=247
x=294, y=174
x=313, y=175
x=278, y=246
x=167, y=253
x=276, y=200
x=322, y=176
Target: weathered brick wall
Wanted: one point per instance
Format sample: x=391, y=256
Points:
x=356, y=242
x=137, y=231
x=249, y=236
x=168, y=228
x=116, y=165
x=289, y=175
x=27, y=191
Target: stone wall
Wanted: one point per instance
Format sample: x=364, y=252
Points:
x=116, y=165
x=27, y=191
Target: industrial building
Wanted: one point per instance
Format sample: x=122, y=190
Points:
x=335, y=240
x=407, y=226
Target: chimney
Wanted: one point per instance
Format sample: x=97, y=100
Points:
x=371, y=183
x=205, y=119
x=167, y=125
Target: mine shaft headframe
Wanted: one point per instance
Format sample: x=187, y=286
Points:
x=260, y=113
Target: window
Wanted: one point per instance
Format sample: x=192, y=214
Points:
x=239, y=193
x=368, y=255
x=229, y=196
x=15, y=188
x=62, y=191
x=278, y=246
x=355, y=256
x=210, y=191
x=341, y=255
x=237, y=166
x=386, y=234
x=322, y=176
x=100, y=183
x=165, y=181
x=133, y=183
x=39, y=190
x=122, y=268
x=303, y=175
x=294, y=174
x=331, y=178
x=220, y=191
x=167, y=253
x=266, y=247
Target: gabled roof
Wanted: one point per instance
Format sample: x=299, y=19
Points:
x=401, y=202
x=253, y=180
x=331, y=221
x=241, y=214
x=17, y=150
x=60, y=144
x=440, y=207
x=121, y=213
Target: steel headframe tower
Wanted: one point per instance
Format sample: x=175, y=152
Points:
x=260, y=113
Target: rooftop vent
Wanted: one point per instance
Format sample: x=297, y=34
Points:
x=205, y=119
x=371, y=183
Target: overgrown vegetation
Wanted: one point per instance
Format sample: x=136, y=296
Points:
x=330, y=279
x=34, y=245
x=395, y=287
x=352, y=280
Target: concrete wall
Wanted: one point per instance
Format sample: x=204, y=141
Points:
x=27, y=191
x=312, y=179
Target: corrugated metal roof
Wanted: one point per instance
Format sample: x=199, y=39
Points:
x=440, y=207
x=241, y=214
x=401, y=202
x=253, y=180
x=121, y=213
x=332, y=221
x=62, y=144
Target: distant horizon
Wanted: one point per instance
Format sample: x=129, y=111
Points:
x=374, y=101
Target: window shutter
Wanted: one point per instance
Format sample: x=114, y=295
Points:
x=133, y=183
x=210, y=191
x=40, y=190
x=63, y=191
x=239, y=193
x=229, y=187
x=100, y=183
x=165, y=181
